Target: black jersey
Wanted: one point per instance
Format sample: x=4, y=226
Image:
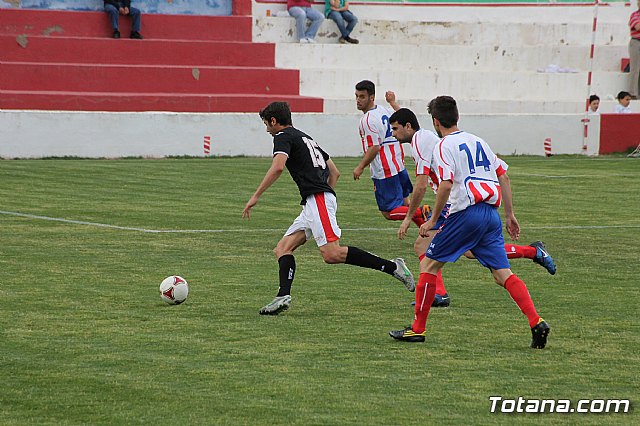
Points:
x=307, y=162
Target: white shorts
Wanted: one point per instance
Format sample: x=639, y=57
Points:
x=318, y=219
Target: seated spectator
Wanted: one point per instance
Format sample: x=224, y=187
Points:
x=123, y=7
x=594, y=104
x=624, y=99
x=301, y=10
x=338, y=11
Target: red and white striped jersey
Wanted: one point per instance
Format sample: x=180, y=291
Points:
x=469, y=162
x=375, y=130
x=423, y=143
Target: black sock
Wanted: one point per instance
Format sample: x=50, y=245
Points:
x=358, y=257
x=287, y=271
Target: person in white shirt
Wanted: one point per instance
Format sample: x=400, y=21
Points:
x=474, y=181
x=624, y=99
x=384, y=156
x=406, y=129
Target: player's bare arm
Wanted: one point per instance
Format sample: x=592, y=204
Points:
x=334, y=174
x=369, y=156
x=390, y=97
x=442, y=196
x=513, y=227
x=419, y=189
x=272, y=175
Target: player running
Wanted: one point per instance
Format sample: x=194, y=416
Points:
x=384, y=156
x=316, y=176
x=474, y=182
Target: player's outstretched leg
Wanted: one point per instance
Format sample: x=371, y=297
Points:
x=539, y=334
x=534, y=251
x=543, y=258
x=277, y=305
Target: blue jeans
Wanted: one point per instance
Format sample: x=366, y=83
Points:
x=340, y=18
x=301, y=14
x=114, y=16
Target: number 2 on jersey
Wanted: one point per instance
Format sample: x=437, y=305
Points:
x=481, y=157
x=316, y=155
x=385, y=122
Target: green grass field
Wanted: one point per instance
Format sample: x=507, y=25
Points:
x=85, y=338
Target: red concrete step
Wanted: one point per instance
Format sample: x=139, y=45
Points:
x=136, y=52
x=74, y=101
x=148, y=78
x=55, y=23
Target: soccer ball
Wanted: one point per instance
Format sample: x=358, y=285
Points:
x=174, y=290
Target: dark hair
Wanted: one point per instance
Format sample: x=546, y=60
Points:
x=278, y=110
x=368, y=86
x=623, y=95
x=594, y=98
x=445, y=110
x=404, y=116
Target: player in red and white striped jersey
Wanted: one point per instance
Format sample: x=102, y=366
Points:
x=474, y=181
x=384, y=156
x=405, y=128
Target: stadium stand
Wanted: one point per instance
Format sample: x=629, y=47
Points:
x=491, y=60
x=66, y=60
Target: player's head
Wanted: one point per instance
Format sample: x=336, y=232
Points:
x=404, y=124
x=275, y=116
x=444, y=113
x=594, y=102
x=624, y=98
x=365, y=95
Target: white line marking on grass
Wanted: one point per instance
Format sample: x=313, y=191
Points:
x=280, y=230
x=570, y=176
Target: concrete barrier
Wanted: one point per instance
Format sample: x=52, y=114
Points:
x=37, y=134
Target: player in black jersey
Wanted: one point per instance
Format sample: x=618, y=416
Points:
x=316, y=176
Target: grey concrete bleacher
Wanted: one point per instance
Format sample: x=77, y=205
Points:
x=522, y=60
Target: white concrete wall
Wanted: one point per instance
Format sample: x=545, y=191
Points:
x=36, y=134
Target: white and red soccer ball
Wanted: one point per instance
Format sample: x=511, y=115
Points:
x=174, y=290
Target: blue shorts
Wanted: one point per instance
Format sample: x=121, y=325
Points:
x=391, y=192
x=477, y=228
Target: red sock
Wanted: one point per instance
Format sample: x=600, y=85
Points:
x=519, y=293
x=399, y=213
x=417, y=218
x=440, y=290
x=516, y=252
x=425, y=293
x=440, y=284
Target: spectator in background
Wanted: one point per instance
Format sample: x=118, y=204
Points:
x=594, y=104
x=301, y=10
x=624, y=99
x=338, y=11
x=634, y=52
x=123, y=7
